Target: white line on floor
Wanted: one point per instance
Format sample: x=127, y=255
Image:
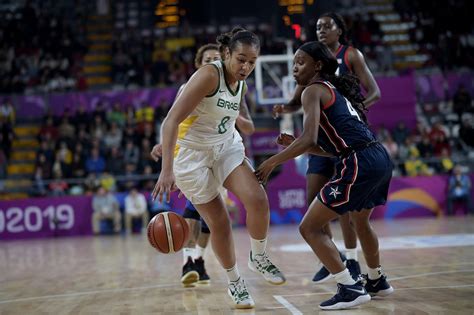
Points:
x=293, y=310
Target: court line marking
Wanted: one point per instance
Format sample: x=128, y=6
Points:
x=460, y=286
x=293, y=310
x=74, y=294
x=429, y=274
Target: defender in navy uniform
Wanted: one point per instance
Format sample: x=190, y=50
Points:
x=335, y=125
x=331, y=31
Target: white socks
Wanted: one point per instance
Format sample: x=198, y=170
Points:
x=351, y=253
x=344, y=277
x=375, y=273
x=258, y=246
x=188, y=252
x=199, y=251
x=233, y=273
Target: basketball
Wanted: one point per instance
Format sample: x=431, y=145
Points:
x=167, y=232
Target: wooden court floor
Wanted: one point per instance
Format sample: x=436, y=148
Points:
x=430, y=263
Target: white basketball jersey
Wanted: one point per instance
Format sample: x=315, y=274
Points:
x=212, y=122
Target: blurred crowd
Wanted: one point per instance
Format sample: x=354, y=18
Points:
x=108, y=147
x=39, y=52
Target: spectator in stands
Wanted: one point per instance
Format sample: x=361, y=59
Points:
x=95, y=163
x=135, y=207
x=425, y=147
x=108, y=182
x=7, y=111
x=3, y=164
x=129, y=179
x=414, y=166
x=116, y=115
x=131, y=155
x=391, y=146
x=445, y=162
x=6, y=136
x=39, y=186
x=49, y=131
x=105, y=206
x=462, y=101
x=98, y=127
x=115, y=163
x=148, y=183
x=113, y=137
x=459, y=189
x=58, y=186
x=64, y=158
x=466, y=132
x=400, y=133
x=66, y=130
x=81, y=117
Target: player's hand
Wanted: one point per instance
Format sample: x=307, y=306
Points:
x=164, y=186
x=285, y=139
x=264, y=170
x=157, y=152
x=277, y=110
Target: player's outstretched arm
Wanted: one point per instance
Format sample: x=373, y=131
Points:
x=293, y=105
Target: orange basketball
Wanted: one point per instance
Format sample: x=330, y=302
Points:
x=167, y=232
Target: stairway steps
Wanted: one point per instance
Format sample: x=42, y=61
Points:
x=13, y=196
x=11, y=184
x=25, y=143
x=97, y=69
x=25, y=130
x=97, y=57
x=24, y=169
x=98, y=80
x=99, y=37
x=28, y=155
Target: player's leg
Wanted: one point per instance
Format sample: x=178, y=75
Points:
x=201, y=244
x=320, y=170
x=243, y=183
x=376, y=280
x=190, y=274
x=350, y=242
x=217, y=218
x=349, y=292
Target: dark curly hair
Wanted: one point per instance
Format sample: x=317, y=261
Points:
x=237, y=35
x=347, y=84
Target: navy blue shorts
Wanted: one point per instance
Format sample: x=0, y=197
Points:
x=361, y=182
x=190, y=212
x=321, y=165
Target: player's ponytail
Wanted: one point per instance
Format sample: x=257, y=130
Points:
x=347, y=85
x=237, y=35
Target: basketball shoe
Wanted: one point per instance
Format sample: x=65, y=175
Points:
x=240, y=295
x=347, y=296
x=261, y=263
x=354, y=268
x=199, y=267
x=190, y=274
x=378, y=287
x=323, y=274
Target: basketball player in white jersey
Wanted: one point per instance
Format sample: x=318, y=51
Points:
x=209, y=154
x=194, y=270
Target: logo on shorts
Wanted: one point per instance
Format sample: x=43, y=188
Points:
x=334, y=192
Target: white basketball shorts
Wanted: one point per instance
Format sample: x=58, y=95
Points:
x=200, y=173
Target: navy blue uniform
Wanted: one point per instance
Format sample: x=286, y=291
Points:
x=320, y=164
x=190, y=212
x=363, y=169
